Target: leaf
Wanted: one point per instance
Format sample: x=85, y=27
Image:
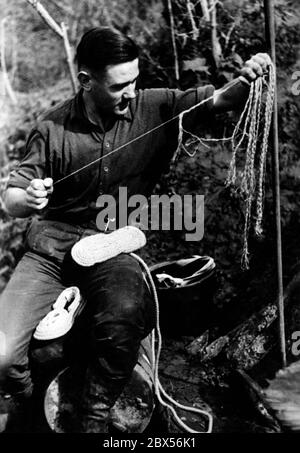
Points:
x=228, y=76
x=196, y=65
x=237, y=59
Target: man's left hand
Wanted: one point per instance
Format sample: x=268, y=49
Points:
x=256, y=66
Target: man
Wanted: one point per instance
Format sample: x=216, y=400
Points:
x=107, y=113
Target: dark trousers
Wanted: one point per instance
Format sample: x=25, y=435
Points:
x=119, y=309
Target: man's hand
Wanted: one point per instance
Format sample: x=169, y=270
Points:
x=37, y=193
x=233, y=96
x=256, y=66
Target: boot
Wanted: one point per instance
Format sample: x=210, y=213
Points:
x=15, y=413
x=99, y=396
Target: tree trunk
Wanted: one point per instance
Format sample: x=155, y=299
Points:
x=172, y=25
x=215, y=45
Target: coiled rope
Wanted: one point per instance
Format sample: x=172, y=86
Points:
x=162, y=396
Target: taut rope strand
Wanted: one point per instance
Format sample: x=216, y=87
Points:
x=144, y=134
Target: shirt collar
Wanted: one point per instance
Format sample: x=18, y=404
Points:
x=128, y=114
x=78, y=111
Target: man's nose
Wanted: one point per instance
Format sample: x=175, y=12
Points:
x=130, y=93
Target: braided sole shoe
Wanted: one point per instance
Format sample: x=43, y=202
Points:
x=101, y=247
x=60, y=320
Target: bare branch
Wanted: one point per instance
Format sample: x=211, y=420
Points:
x=66, y=9
x=60, y=31
x=213, y=4
x=228, y=35
x=46, y=17
x=176, y=64
x=69, y=56
x=215, y=44
x=14, y=51
x=235, y=23
x=205, y=10
x=6, y=82
x=190, y=7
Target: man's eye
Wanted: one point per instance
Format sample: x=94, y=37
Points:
x=118, y=88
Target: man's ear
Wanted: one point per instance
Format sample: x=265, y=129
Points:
x=84, y=80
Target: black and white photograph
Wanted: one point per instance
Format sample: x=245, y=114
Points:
x=149, y=219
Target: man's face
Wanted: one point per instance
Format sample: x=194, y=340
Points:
x=113, y=90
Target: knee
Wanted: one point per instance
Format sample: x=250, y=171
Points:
x=7, y=354
x=121, y=309
x=118, y=345
x=130, y=310
x=123, y=320
x=15, y=377
x=126, y=269
x=122, y=290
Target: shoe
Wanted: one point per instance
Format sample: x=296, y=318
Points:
x=76, y=401
x=98, y=397
x=59, y=321
x=5, y=408
x=101, y=247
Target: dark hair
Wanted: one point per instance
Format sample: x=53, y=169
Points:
x=102, y=46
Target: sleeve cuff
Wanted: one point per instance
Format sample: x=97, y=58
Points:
x=244, y=81
x=204, y=93
x=17, y=181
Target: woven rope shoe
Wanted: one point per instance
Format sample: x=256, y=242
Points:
x=59, y=321
x=101, y=247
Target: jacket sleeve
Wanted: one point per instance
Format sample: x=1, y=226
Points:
x=199, y=100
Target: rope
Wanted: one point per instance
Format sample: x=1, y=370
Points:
x=180, y=115
x=159, y=390
x=254, y=123
x=251, y=125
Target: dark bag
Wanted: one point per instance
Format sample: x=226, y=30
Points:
x=185, y=291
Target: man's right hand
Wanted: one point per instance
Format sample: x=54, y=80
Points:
x=37, y=193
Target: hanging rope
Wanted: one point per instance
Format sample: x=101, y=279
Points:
x=253, y=129
x=251, y=133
